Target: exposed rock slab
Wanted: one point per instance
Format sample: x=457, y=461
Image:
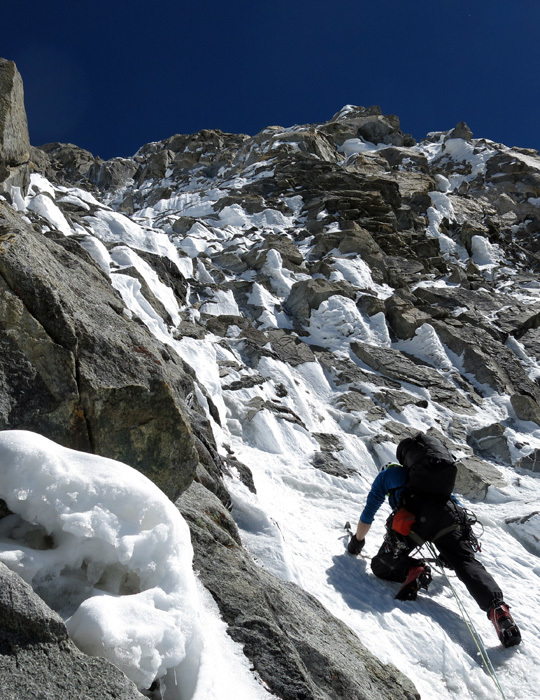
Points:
x=396, y=365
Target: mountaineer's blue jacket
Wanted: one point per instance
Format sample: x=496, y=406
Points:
x=389, y=482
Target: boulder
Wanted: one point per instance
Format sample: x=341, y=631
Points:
x=475, y=476
x=296, y=646
x=37, y=659
x=531, y=462
x=289, y=348
x=490, y=442
x=525, y=408
x=404, y=319
x=354, y=401
x=327, y=462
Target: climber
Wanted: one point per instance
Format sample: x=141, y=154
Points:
x=419, y=489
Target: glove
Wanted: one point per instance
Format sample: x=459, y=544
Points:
x=355, y=546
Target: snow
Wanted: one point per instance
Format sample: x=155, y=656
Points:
x=338, y=322
x=45, y=207
x=426, y=346
x=358, y=145
x=123, y=256
x=108, y=550
x=222, y=304
x=293, y=525
x=484, y=253
x=39, y=183
x=280, y=279
x=112, y=227
x=98, y=251
x=358, y=273
x=131, y=292
x=442, y=208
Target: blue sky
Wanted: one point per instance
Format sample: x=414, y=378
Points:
x=112, y=76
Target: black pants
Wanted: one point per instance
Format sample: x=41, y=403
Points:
x=392, y=561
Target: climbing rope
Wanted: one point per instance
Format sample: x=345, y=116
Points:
x=470, y=626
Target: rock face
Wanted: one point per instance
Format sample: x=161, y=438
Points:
x=86, y=376
x=14, y=139
x=37, y=659
x=296, y=646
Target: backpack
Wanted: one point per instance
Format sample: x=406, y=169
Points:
x=432, y=470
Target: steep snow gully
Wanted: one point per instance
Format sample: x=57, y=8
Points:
x=345, y=287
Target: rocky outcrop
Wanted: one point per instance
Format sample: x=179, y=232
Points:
x=370, y=124
x=37, y=659
x=75, y=369
x=298, y=648
x=14, y=139
x=398, y=366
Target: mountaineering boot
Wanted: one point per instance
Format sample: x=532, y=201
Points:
x=507, y=630
x=418, y=577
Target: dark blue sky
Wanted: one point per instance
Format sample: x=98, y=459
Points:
x=112, y=76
